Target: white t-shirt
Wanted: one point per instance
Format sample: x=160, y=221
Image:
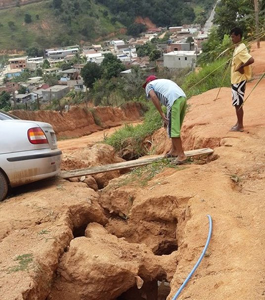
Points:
x=167, y=91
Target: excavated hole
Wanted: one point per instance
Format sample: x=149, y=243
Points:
x=79, y=231
x=153, y=290
x=166, y=248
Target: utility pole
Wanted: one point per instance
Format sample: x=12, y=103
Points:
x=256, y=7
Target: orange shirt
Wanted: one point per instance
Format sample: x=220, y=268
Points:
x=240, y=56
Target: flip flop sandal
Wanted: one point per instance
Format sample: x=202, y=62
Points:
x=169, y=155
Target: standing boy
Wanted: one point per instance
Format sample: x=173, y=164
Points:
x=240, y=73
x=166, y=92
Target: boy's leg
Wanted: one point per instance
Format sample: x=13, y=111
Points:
x=240, y=115
x=238, y=92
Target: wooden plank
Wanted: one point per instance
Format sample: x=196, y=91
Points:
x=128, y=164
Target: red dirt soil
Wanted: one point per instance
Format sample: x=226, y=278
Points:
x=126, y=233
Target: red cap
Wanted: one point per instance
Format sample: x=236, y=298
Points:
x=149, y=79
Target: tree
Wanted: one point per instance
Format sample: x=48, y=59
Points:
x=213, y=47
x=230, y=13
x=136, y=29
x=34, y=52
x=22, y=90
x=57, y=4
x=154, y=55
x=145, y=50
x=46, y=64
x=90, y=73
x=39, y=72
x=132, y=84
x=111, y=66
x=5, y=101
x=50, y=79
x=65, y=66
x=27, y=18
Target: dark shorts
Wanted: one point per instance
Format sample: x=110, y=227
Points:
x=238, y=92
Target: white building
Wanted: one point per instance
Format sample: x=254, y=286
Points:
x=180, y=59
x=117, y=43
x=34, y=63
x=61, y=53
x=95, y=57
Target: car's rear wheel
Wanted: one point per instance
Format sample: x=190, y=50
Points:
x=3, y=186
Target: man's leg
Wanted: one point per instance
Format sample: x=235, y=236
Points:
x=176, y=118
x=177, y=145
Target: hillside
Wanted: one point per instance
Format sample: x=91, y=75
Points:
x=50, y=23
x=71, y=241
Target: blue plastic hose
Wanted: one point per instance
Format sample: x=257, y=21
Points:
x=199, y=260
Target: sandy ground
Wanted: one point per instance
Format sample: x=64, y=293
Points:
x=38, y=219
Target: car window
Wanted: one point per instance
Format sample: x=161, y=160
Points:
x=7, y=116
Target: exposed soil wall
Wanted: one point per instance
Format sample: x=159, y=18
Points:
x=79, y=121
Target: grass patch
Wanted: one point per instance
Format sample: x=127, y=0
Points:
x=213, y=75
x=24, y=263
x=140, y=176
x=135, y=135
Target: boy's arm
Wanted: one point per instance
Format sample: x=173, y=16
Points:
x=240, y=69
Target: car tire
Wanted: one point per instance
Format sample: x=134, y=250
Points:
x=3, y=186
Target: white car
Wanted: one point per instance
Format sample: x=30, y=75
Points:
x=28, y=152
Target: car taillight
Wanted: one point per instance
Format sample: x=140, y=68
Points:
x=37, y=136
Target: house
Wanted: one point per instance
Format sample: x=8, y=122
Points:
x=117, y=43
x=23, y=98
x=34, y=63
x=95, y=57
x=199, y=39
x=35, y=80
x=11, y=87
x=70, y=74
x=54, y=62
x=36, y=95
x=77, y=85
x=13, y=73
x=60, y=53
x=55, y=92
x=180, y=59
x=51, y=71
x=78, y=67
x=17, y=63
x=97, y=47
x=175, y=28
x=178, y=46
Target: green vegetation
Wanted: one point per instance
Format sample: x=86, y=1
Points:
x=213, y=75
x=24, y=263
x=230, y=13
x=4, y=101
x=54, y=23
x=18, y=34
x=142, y=175
x=135, y=135
x=162, y=13
x=38, y=26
